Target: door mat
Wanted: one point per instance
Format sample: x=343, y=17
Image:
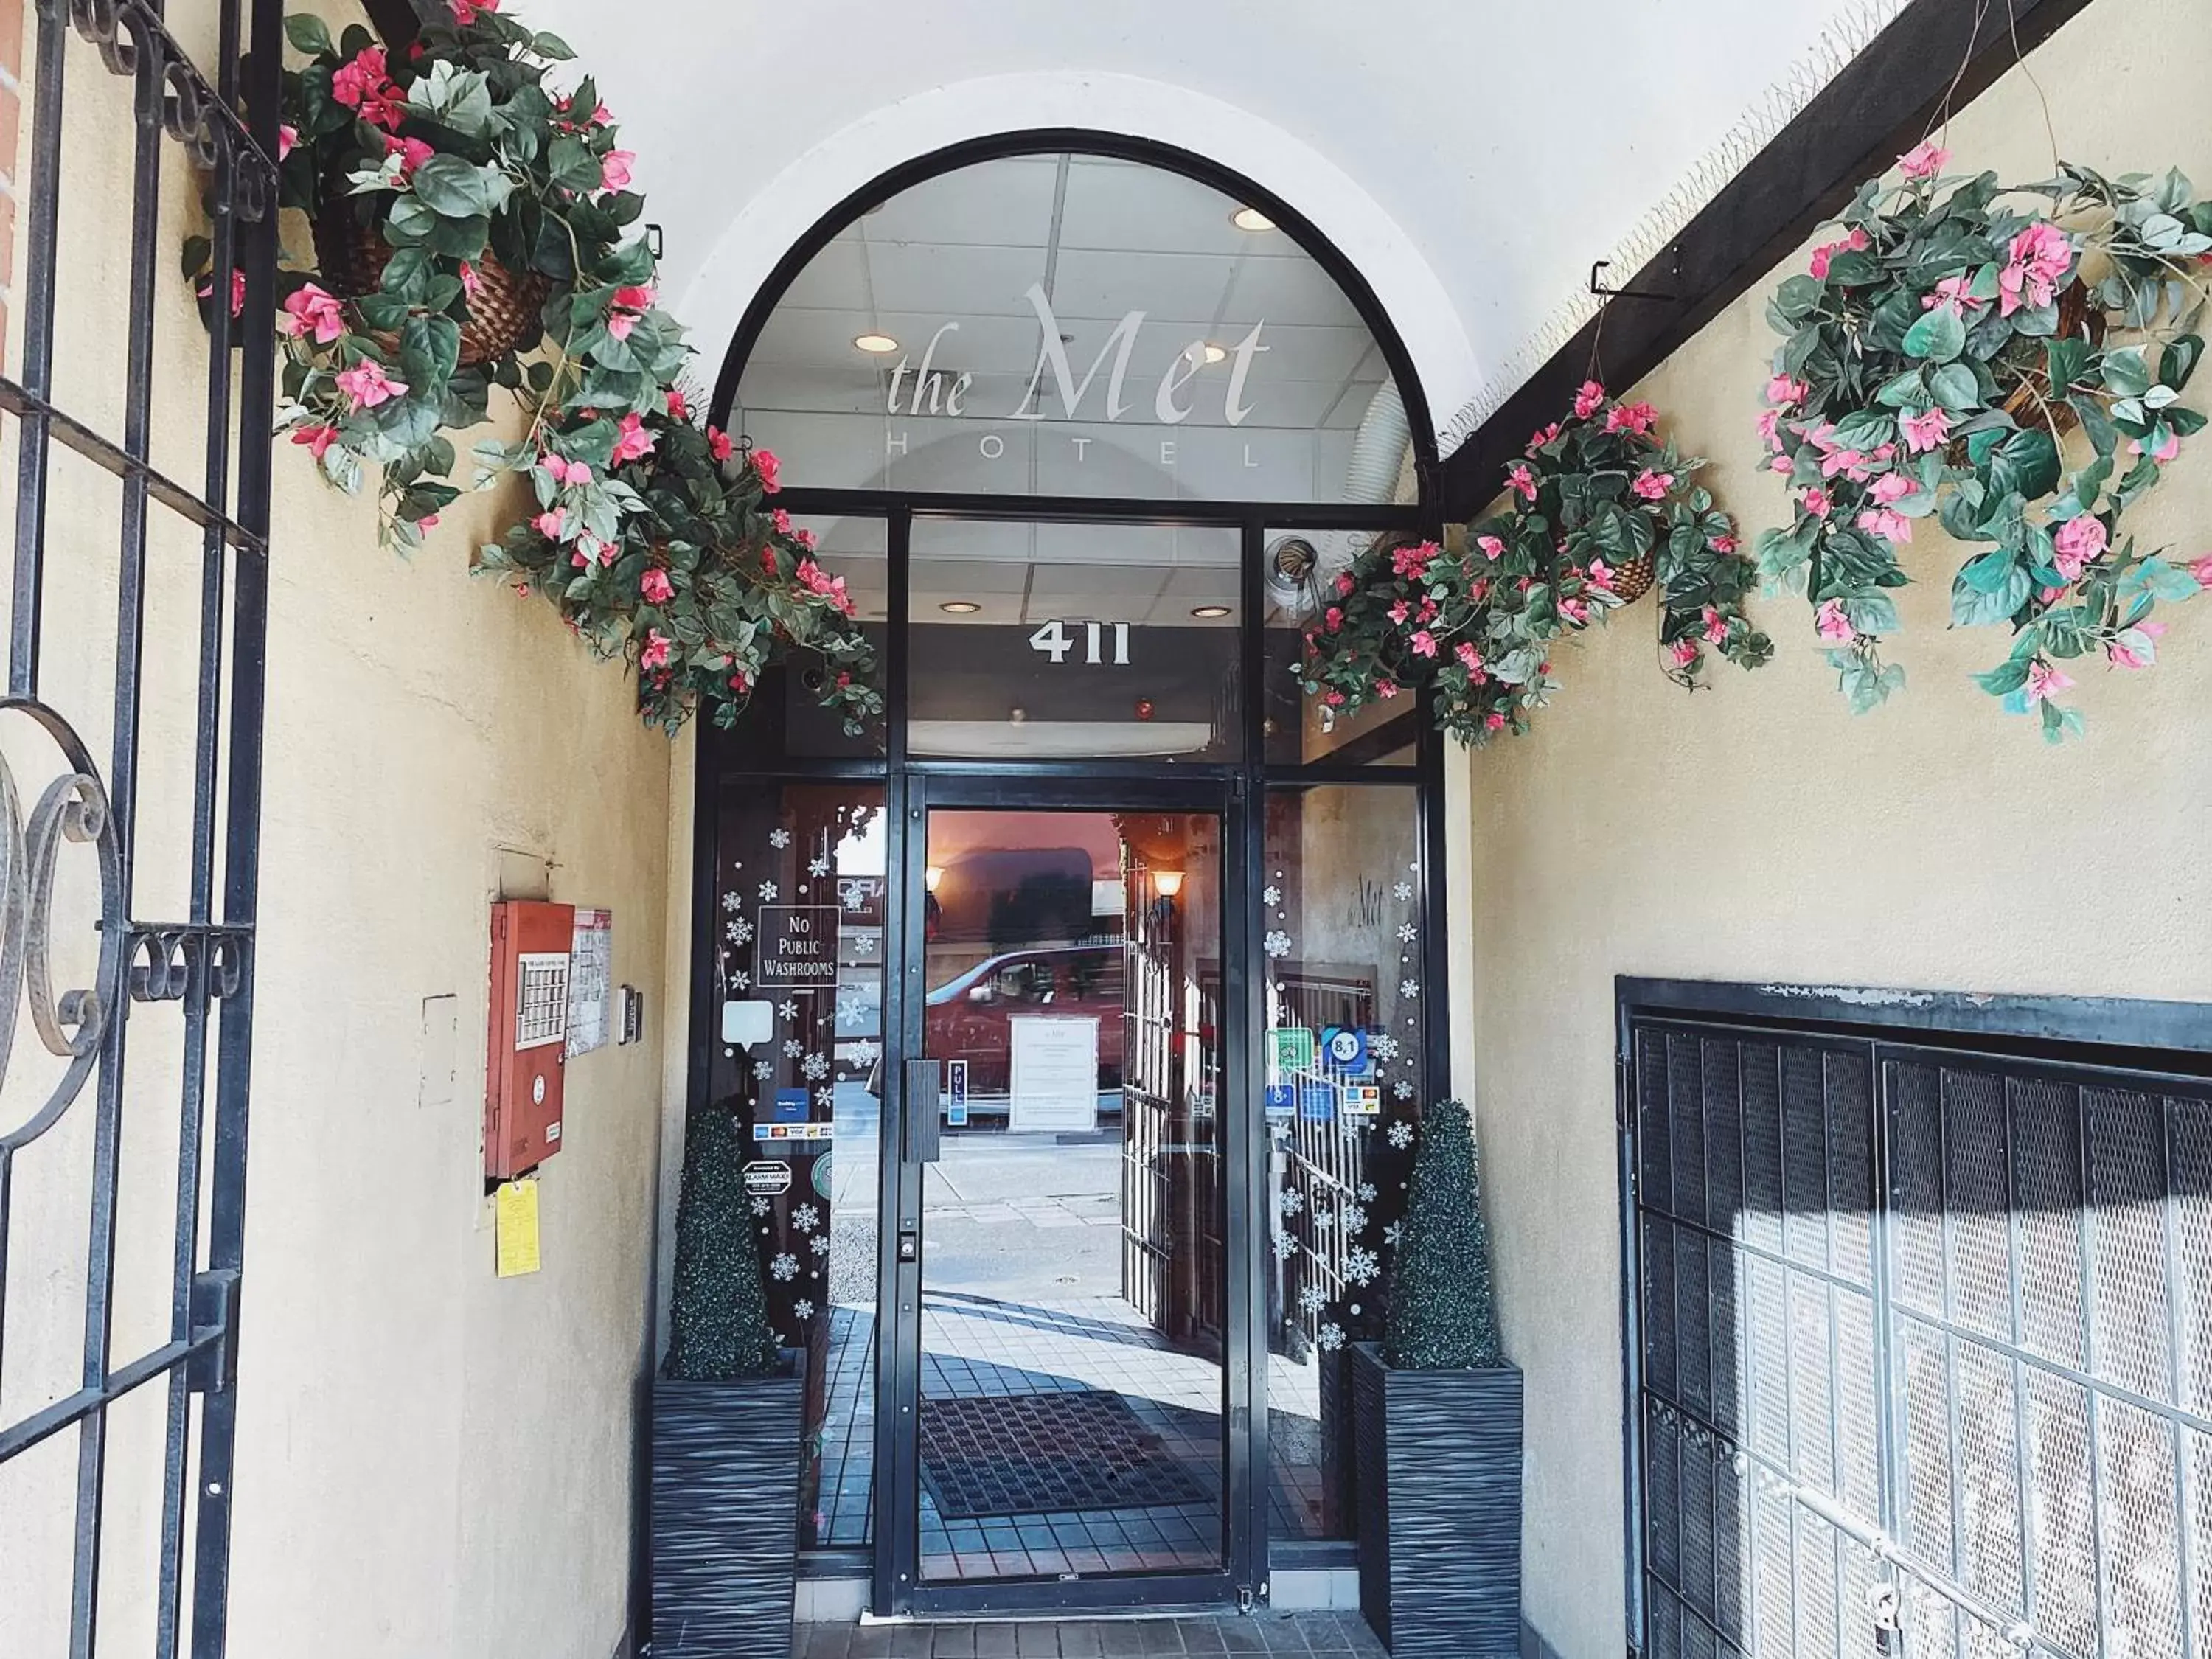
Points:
x=1046, y=1454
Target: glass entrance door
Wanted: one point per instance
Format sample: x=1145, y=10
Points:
x=1066, y=1234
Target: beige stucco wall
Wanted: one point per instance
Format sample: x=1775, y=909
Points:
x=432, y=1461
x=1760, y=832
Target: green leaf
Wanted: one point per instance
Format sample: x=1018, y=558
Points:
x=1939, y=336
x=552, y=48
x=2007, y=676
x=1872, y=613
x=1989, y=589
x=452, y=187
x=2064, y=360
x=2160, y=579
x=573, y=165
x=2027, y=461
x=308, y=34
x=2179, y=359
x=2125, y=372
x=1955, y=388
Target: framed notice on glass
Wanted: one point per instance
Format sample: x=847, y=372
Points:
x=1055, y=1073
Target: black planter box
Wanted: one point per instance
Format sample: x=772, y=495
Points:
x=1439, y=1508
x=726, y=1467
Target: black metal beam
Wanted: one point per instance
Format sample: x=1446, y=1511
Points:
x=1877, y=106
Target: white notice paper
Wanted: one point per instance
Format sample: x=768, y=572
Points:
x=1055, y=1073
x=591, y=974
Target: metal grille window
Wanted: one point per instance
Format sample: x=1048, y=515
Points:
x=130, y=805
x=1925, y=1344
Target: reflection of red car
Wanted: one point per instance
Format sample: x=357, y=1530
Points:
x=967, y=1017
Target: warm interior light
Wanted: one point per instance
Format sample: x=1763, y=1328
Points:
x=879, y=343
x=1209, y=611
x=1214, y=353
x=931, y=875
x=1248, y=218
x=960, y=607
x=1168, y=882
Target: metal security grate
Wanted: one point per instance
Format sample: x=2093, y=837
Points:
x=1924, y=1350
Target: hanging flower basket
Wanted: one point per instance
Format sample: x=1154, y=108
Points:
x=505, y=311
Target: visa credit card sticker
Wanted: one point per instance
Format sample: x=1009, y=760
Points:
x=1363, y=1100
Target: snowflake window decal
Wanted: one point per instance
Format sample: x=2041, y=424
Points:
x=1313, y=1298
x=1330, y=1337
x=806, y=1218
x=779, y=837
x=1272, y=897
x=865, y=1052
x=793, y=1048
x=785, y=1266
x=1408, y=990
x=1384, y=1046
x=1277, y=942
x=767, y=891
x=819, y=1244
x=866, y=944
x=1290, y=1200
x=742, y=981
x=817, y=867
x=733, y=900
x=815, y=1068
x=762, y=1068
x=1408, y=932
x=1361, y=1265
x=802, y=1311
x=1402, y=1135
x=1403, y=891
x=739, y=931
x=825, y=1098
x=1366, y=1191
x=1285, y=1247
x=789, y=1007
x=1392, y=1233
x=760, y=1207
x=1353, y=1217
x=1403, y=1090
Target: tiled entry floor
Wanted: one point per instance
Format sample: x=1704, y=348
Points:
x=1334, y=1635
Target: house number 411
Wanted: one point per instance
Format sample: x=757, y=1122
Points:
x=1056, y=641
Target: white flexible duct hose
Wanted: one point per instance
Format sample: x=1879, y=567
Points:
x=1378, y=452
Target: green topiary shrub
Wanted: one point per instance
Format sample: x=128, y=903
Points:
x=718, y=1309
x=1443, y=1310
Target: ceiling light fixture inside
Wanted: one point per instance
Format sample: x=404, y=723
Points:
x=878, y=344
x=1209, y=611
x=1250, y=218
x=1210, y=352
x=960, y=607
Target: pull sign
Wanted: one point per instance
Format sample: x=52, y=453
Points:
x=1056, y=641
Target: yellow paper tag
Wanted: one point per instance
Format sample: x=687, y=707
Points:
x=517, y=1228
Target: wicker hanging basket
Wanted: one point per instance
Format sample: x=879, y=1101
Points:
x=2029, y=403
x=503, y=311
x=1632, y=580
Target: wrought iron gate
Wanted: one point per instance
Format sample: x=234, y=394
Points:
x=1925, y=1355
x=137, y=627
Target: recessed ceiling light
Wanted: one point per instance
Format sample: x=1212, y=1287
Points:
x=1212, y=353
x=1250, y=218
x=1209, y=611
x=879, y=343
x=960, y=607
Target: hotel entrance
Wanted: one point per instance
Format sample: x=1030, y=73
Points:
x=1077, y=1008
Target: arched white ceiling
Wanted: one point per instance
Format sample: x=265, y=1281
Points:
x=1471, y=158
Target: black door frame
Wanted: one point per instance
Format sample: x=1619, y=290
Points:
x=898, y=1586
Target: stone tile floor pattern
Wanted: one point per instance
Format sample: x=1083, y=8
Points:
x=1334, y=1635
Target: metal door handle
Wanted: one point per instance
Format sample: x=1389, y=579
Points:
x=925, y=1109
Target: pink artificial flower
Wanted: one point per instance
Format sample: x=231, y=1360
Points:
x=655, y=585
x=1886, y=522
x=1400, y=611
x=781, y=520
x=1493, y=721
x=1469, y=658
x=237, y=293
x=551, y=523
x=1601, y=575
x=1494, y=548
x=1830, y=622
x=1722, y=544
x=1770, y=425
x=1893, y=487
x=2075, y=542
x=309, y=310
x=632, y=441
x=1575, y=610
x=427, y=521
x=1386, y=689
x=1413, y=562
x=1424, y=643
x=288, y=139
x=1817, y=502
x=412, y=152
x=1334, y=700
x=367, y=385
x=1716, y=626
x=318, y=439
x=1588, y=400
x=1781, y=463
x=607, y=550
x=656, y=646
x=1856, y=242
x=1343, y=580
x=1784, y=392
x=1521, y=481
x=718, y=443
x=2037, y=259
x=1653, y=486
x=765, y=464
x=1923, y=160
x=1684, y=653
x=364, y=84
x=2126, y=656
x=1332, y=619
x=1541, y=436
x=614, y=169
x=472, y=284
x=806, y=538
x=2045, y=681
x=677, y=409
x=2202, y=571
x=2167, y=448
x=1849, y=462
x=1951, y=292
x=465, y=11
x=1930, y=428
x=1638, y=418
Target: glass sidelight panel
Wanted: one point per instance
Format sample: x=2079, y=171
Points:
x=1074, y=1307
x=797, y=964
x=1344, y=1082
